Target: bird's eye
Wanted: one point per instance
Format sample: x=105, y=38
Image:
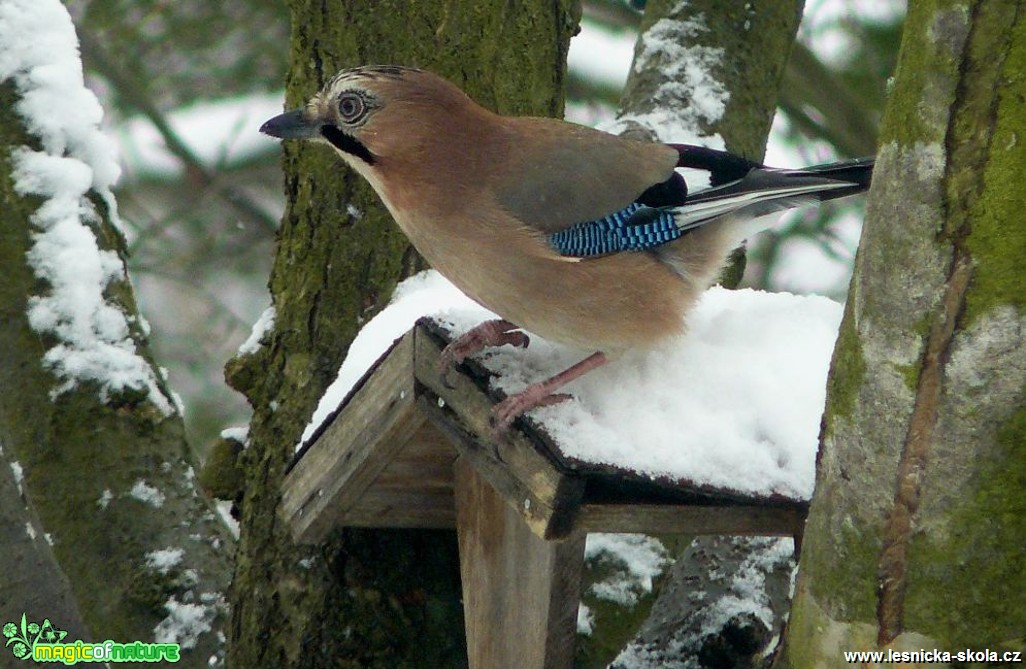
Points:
x=351, y=107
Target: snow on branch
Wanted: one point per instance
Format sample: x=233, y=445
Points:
x=93, y=342
x=674, y=89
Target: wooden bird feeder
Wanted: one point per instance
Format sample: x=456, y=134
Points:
x=405, y=450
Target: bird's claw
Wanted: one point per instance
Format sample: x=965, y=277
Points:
x=514, y=406
x=490, y=333
x=541, y=394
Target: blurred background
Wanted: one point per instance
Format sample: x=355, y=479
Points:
x=186, y=84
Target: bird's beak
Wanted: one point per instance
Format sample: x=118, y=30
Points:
x=292, y=125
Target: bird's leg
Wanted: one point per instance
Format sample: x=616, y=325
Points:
x=541, y=394
x=495, y=332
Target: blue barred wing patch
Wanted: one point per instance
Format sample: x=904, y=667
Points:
x=633, y=228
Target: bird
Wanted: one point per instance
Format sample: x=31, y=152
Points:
x=564, y=231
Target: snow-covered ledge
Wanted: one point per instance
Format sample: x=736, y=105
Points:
x=725, y=417
x=714, y=433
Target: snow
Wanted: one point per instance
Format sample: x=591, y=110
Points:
x=224, y=512
x=639, y=559
x=733, y=404
x=147, y=494
x=238, y=433
x=39, y=52
x=689, y=70
x=165, y=559
x=19, y=475
x=747, y=589
x=689, y=73
x=425, y=293
x=585, y=620
x=263, y=325
x=739, y=593
x=184, y=623
x=105, y=498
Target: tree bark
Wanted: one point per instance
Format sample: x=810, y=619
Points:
x=107, y=473
x=689, y=52
x=723, y=605
x=916, y=530
x=367, y=598
x=34, y=583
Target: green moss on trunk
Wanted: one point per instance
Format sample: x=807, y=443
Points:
x=944, y=199
x=76, y=450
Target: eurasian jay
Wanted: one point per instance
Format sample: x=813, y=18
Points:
x=577, y=235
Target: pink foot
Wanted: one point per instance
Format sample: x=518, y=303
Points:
x=496, y=332
x=540, y=394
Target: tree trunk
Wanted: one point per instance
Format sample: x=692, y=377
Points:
x=707, y=68
x=105, y=469
x=917, y=525
x=367, y=598
x=34, y=583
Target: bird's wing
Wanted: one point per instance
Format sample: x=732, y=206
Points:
x=762, y=191
x=568, y=173
x=588, y=193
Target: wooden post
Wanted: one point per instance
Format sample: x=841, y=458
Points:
x=520, y=592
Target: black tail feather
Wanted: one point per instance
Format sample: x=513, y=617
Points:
x=723, y=167
x=858, y=171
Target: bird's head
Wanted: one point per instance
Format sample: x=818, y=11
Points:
x=373, y=113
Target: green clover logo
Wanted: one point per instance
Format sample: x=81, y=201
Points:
x=22, y=639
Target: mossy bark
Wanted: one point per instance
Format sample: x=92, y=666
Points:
x=367, y=598
x=751, y=42
x=76, y=450
x=34, y=583
x=916, y=530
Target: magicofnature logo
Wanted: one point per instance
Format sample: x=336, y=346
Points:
x=45, y=643
x=25, y=638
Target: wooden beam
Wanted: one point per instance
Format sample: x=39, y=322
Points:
x=547, y=497
x=726, y=519
x=362, y=439
x=520, y=592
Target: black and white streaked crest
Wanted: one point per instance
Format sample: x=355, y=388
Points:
x=369, y=73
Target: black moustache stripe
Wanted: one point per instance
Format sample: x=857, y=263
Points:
x=347, y=143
